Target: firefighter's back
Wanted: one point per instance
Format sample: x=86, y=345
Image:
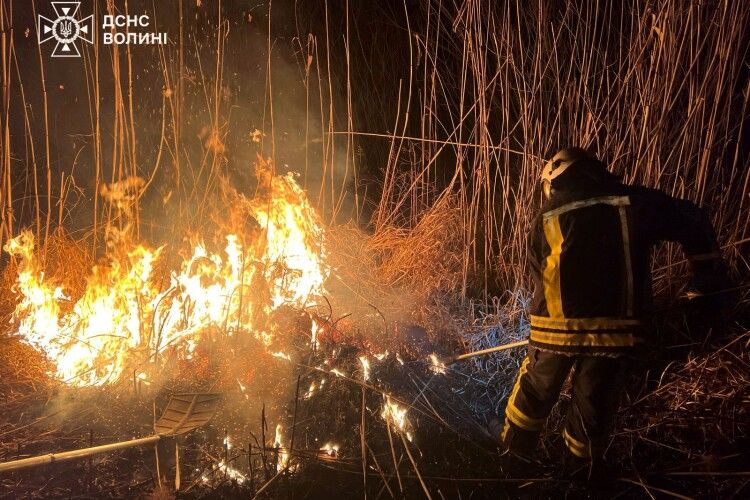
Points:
x=590, y=270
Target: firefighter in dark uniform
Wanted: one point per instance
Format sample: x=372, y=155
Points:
x=590, y=260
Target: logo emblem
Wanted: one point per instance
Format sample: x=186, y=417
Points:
x=66, y=29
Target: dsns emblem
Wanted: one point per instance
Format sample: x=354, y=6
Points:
x=66, y=29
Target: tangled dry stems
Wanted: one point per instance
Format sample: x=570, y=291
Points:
x=700, y=407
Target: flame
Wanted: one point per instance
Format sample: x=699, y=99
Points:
x=281, y=355
x=365, y=367
x=283, y=453
x=330, y=450
x=89, y=344
x=311, y=391
x=277, y=439
x=381, y=356
x=293, y=235
x=314, y=335
x=437, y=366
x=123, y=318
x=230, y=472
x=395, y=416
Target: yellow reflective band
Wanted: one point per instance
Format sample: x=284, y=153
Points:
x=504, y=433
x=522, y=420
x=516, y=387
x=584, y=339
x=513, y=414
x=617, y=201
x=576, y=447
x=584, y=324
x=551, y=276
x=628, y=263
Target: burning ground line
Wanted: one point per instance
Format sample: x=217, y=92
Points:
x=393, y=415
x=284, y=460
x=371, y=387
x=384, y=393
x=327, y=453
x=365, y=362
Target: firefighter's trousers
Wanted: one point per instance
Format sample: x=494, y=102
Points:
x=596, y=386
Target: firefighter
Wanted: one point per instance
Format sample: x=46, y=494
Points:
x=589, y=255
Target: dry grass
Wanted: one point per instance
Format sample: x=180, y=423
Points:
x=24, y=370
x=66, y=263
x=486, y=91
x=426, y=258
x=698, y=408
x=656, y=88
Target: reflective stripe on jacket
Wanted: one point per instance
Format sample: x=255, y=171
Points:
x=590, y=260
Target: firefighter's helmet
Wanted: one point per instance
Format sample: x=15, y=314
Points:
x=559, y=163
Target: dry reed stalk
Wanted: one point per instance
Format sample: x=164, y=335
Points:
x=615, y=78
x=534, y=79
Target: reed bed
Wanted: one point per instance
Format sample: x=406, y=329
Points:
x=424, y=128
x=657, y=89
x=483, y=94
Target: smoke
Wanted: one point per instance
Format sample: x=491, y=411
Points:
x=234, y=81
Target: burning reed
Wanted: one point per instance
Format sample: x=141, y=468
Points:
x=122, y=321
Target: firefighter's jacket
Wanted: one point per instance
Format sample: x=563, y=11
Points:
x=590, y=260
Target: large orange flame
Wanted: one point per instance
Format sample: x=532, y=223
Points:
x=123, y=318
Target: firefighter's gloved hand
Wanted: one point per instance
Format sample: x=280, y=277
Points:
x=708, y=311
x=705, y=303
x=711, y=293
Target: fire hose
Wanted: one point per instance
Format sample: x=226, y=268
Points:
x=482, y=352
x=74, y=454
x=184, y=413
